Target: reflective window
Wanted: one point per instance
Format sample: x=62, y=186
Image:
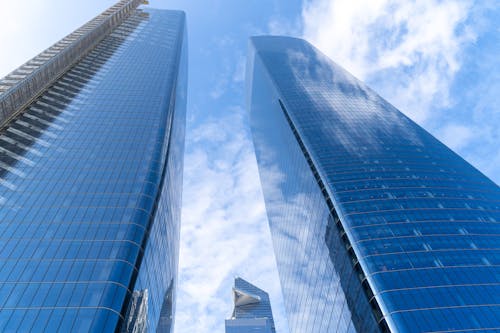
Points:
x=90, y=183
x=376, y=224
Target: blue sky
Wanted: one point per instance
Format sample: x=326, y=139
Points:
x=435, y=60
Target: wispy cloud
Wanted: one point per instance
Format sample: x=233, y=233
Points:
x=410, y=48
x=224, y=227
x=434, y=60
x=457, y=136
x=221, y=80
x=221, y=83
x=239, y=71
x=284, y=26
x=231, y=67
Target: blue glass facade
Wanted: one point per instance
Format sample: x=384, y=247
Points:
x=377, y=226
x=90, y=187
x=252, y=310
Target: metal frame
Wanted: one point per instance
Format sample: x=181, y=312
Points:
x=19, y=88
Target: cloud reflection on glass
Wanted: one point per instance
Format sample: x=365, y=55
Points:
x=366, y=208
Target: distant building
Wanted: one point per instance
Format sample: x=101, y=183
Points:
x=91, y=162
x=252, y=310
x=377, y=226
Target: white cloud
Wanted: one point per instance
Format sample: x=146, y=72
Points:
x=484, y=146
x=220, y=87
x=410, y=50
x=239, y=72
x=434, y=60
x=231, y=69
x=282, y=26
x=456, y=136
x=224, y=229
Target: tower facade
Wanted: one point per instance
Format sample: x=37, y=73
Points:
x=252, y=311
x=91, y=160
x=377, y=226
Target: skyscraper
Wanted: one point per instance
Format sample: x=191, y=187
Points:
x=91, y=159
x=377, y=226
x=252, y=310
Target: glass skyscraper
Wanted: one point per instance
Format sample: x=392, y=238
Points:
x=91, y=160
x=377, y=226
x=252, y=311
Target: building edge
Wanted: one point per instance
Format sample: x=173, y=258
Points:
x=23, y=85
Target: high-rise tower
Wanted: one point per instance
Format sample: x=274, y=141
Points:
x=91, y=159
x=376, y=225
x=252, y=311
